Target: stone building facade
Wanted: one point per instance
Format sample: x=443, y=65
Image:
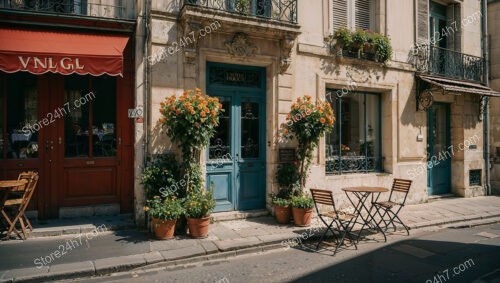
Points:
x=494, y=44
x=411, y=117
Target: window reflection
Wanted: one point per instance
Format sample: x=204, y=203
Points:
x=76, y=121
x=353, y=145
x=220, y=143
x=104, y=116
x=22, y=113
x=250, y=130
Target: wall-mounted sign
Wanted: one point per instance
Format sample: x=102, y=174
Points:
x=286, y=155
x=473, y=146
x=135, y=112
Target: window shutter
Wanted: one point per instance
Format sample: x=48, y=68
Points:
x=339, y=14
x=423, y=21
x=363, y=14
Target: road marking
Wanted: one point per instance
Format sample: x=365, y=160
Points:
x=414, y=251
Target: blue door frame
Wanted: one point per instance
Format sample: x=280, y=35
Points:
x=236, y=158
x=439, y=149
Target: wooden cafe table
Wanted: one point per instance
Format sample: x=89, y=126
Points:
x=6, y=187
x=361, y=207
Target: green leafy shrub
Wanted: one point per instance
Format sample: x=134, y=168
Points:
x=165, y=209
x=382, y=46
x=199, y=203
x=359, y=38
x=287, y=175
x=343, y=37
x=276, y=201
x=303, y=201
x=161, y=173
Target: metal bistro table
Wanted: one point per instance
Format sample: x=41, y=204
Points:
x=6, y=187
x=362, y=194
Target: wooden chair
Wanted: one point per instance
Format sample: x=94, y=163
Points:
x=19, y=205
x=392, y=207
x=343, y=221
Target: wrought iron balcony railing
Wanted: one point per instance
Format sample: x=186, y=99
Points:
x=352, y=164
x=115, y=9
x=449, y=63
x=278, y=10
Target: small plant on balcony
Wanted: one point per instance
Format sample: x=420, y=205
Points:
x=359, y=39
x=382, y=46
x=242, y=6
x=343, y=38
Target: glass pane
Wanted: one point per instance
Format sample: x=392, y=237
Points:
x=333, y=139
x=352, y=124
x=220, y=144
x=372, y=126
x=104, y=116
x=250, y=130
x=22, y=114
x=76, y=121
x=439, y=129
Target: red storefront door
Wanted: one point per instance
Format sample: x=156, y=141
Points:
x=70, y=127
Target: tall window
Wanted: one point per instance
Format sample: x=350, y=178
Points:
x=353, y=14
x=354, y=144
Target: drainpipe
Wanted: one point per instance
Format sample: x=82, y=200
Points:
x=146, y=83
x=484, y=42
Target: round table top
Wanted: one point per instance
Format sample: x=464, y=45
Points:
x=11, y=183
x=365, y=189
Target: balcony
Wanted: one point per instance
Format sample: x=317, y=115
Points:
x=284, y=11
x=447, y=63
x=112, y=9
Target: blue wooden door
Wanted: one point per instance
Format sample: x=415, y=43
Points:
x=236, y=154
x=439, y=151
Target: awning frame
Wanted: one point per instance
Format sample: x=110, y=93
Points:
x=428, y=86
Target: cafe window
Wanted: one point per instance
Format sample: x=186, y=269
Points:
x=20, y=107
x=354, y=145
x=90, y=101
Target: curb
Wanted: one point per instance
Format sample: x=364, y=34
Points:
x=208, y=250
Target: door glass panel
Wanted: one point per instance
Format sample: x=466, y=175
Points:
x=22, y=114
x=103, y=116
x=250, y=130
x=76, y=121
x=2, y=104
x=220, y=143
x=439, y=130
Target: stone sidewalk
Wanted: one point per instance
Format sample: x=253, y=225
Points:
x=231, y=238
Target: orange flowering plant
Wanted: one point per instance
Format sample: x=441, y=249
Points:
x=307, y=122
x=191, y=121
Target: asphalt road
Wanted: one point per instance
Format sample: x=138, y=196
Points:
x=449, y=255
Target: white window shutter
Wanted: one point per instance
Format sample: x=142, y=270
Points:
x=339, y=14
x=363, y=14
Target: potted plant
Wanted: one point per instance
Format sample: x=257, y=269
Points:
x=199, y=203
x=282, y=210
x=287, y=177
x=302, y=208
x=190, y=121
x=341, y=40
x=382, y=46
x=164, y=214
x=359, y=40
x=316, y=119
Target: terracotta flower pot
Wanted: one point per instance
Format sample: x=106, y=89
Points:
x=164, y=229
x=302, y=216
x=282, y=214
x=198, y=227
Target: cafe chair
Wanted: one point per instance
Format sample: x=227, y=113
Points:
x=19, y=205
x=343, y=221
x=388, y=210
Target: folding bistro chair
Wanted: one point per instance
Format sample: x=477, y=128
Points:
x=391, y=207
x=19, y=205
x=341, y=219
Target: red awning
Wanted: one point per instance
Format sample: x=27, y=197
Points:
x=40, y=52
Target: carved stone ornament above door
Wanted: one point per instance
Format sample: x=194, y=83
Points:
x=241, y=46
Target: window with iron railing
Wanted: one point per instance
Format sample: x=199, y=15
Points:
x=354, y=146
x=119, y=9
x=278, y=10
